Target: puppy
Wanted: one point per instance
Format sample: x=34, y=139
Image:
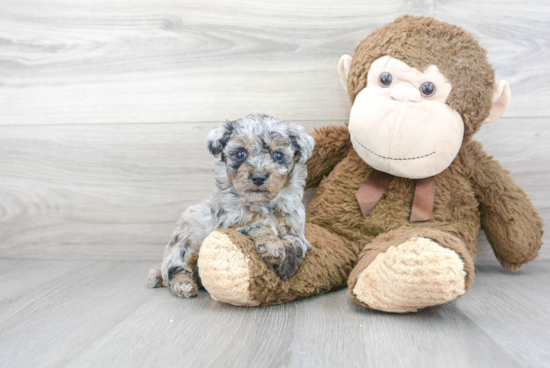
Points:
x=260, y=183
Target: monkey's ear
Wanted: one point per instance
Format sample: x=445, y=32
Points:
x=218, y=138
x=500, y=99
x=302, y=142
x=344, y=66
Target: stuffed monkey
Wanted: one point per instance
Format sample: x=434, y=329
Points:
x=403, y=190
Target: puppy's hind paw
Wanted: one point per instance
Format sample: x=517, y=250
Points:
x=154, y=279
x=183, y=286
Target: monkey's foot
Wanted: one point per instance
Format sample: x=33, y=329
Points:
x=224, y=268
x=415, y=274
x=233, y=272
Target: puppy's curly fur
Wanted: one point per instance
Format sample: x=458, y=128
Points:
x=260, y=183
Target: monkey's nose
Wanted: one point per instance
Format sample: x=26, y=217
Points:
x=404, y=93
x=258, y=179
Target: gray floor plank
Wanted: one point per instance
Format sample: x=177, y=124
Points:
x=514, y=310
x=75, y=310
x=304, y=333
x=100, y=314
x=23, y=282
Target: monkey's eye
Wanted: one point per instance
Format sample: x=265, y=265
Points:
x=240, y=155
x=278, y=156
x=427, y=89
x=385, y=79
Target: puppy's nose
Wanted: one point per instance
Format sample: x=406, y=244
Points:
x=404, y=93
x=258, y=179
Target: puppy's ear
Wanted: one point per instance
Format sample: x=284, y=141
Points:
x=218, y=138
x=302, y=142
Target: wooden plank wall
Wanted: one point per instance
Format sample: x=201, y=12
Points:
x=105, y=106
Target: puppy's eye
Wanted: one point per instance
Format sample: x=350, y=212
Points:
x=427, y=89
x=385, y=79
x=278, y=156
x=240, y=155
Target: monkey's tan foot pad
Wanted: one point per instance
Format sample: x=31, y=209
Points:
x=413, y=275
x=224, y=271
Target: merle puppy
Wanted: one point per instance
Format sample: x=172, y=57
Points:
x=260, y=183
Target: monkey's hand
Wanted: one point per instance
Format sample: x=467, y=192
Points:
x=511, y=222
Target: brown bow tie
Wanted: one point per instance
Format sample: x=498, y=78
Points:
x=377, y=182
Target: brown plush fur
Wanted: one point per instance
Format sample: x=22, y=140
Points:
x=473, y=191
x=455, y=205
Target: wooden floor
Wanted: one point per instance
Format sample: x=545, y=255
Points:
x=104, y=109
x=82, y=313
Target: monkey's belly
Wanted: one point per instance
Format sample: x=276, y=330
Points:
x=335, y=206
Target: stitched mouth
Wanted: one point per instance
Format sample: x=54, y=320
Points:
x=392, y=158
x=257, y=191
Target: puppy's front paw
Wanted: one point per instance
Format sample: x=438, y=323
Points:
x=289, y=266
x=183, y=285
x=295, y=252
x=271, y=249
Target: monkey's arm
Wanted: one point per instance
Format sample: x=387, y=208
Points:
x=511, y=222
x=332, y=144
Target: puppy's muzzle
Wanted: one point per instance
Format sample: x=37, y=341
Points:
x=258, y=180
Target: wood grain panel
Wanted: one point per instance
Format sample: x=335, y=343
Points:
x=116, y=190
x=100, y=314
x=499, y=309
x=79, y=305
x=162, y=61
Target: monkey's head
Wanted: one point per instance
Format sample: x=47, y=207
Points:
x=419, y=88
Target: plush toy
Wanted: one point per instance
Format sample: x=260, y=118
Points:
x=403, y=190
